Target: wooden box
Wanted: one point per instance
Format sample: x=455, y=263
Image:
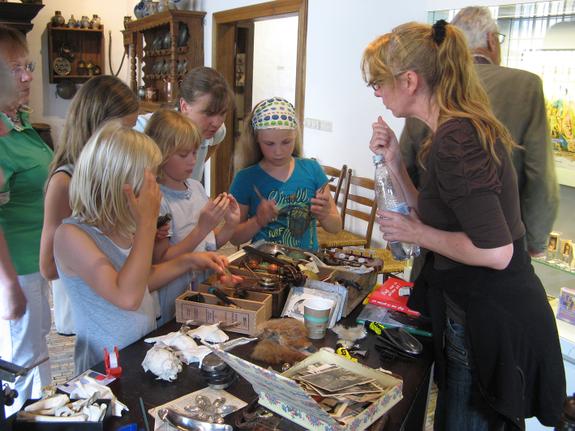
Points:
x=253, y=312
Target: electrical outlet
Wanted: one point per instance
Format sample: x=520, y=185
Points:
x=314, y=123
x=325, y=125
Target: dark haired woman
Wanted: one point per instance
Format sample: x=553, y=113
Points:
x=205, y=98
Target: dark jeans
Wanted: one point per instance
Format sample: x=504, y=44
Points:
x=460, y=405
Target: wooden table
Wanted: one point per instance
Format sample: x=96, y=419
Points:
x=408, y=414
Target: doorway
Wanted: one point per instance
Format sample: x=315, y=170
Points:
x=237, y=54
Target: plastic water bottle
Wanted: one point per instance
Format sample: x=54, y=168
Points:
x=390, y=198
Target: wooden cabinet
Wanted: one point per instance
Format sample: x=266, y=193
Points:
x=75, y=53
x=162, y=48
x=18, y=15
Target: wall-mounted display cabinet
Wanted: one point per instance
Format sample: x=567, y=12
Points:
x=162, y=48
x=75, y=53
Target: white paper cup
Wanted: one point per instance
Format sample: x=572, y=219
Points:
x=316, y=317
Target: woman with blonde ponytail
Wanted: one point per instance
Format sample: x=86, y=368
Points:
x=496, y=346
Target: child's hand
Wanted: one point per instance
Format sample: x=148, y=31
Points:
x=146, y=206
x=163, y=232
x=209, y=260
x=320, y=206
x=233, y=215
x=267, y=212
x=213, y=212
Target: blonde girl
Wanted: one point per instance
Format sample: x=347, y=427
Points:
x=100, y=99
x=280, y=194
x=196, y=223
x=104, y=251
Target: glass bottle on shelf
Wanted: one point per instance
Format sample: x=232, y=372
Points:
x=58, y=20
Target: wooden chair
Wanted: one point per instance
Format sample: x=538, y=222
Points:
x=341, y=175
x=365, y=210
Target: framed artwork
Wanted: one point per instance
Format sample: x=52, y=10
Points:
x=567, y=251
x=552, y=245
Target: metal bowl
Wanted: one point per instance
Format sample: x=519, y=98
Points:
x=273, y=249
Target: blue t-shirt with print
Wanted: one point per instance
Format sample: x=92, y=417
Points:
x=295, y=225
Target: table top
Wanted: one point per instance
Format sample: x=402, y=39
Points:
x=135, y=383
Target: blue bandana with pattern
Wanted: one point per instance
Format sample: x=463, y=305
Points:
x=274, y=113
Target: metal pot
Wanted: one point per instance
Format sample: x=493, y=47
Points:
x=66, y=89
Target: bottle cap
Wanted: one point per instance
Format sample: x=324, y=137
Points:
x=378, y=158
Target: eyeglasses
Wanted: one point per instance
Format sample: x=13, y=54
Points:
x=376, y=85
x=500, y=37
x=19, y=70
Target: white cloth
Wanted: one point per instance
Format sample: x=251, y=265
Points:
x=62, y=309
x=23, y=341
x=198, y=171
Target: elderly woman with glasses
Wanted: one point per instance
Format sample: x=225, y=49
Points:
x=24, y=160
x=495, y=341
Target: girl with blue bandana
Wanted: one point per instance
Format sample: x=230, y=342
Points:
x=281, y=195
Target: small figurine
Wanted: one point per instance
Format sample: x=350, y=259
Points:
x=85, y=22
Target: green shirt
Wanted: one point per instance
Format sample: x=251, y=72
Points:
x=24, y=160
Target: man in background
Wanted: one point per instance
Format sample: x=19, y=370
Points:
x=517, y=101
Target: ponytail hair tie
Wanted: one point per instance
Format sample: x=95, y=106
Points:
x=438, y=31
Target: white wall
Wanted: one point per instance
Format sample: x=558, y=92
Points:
x=275, y=58
x=48, y=108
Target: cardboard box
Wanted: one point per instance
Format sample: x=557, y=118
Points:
x=566, y=310
x=260, y=297
x=285, y=397
x=251, y=314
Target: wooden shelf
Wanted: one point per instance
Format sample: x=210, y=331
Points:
x=86, y=45
x=85, y=77
x=142, y=34
x=556, y=264
x=19, y=15
x=63, y=28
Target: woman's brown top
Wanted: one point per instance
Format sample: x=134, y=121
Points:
x=465, y=190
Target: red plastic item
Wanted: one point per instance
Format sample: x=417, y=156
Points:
x=115, y=371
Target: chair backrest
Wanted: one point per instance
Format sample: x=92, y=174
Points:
x=336, y=189
x=365, y=207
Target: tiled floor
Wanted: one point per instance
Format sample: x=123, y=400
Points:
x=61, y=350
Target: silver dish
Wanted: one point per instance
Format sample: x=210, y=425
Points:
x=186, y=423
x=271, y=248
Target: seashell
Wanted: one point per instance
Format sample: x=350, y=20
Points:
x=209, y=333
x=162, y=362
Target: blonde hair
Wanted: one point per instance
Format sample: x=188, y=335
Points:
x=440, y=56
x=12, y=40
x=7, y=88
x=114, y=156
x=100, y=99
x=249, y=152
x=173, y=132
